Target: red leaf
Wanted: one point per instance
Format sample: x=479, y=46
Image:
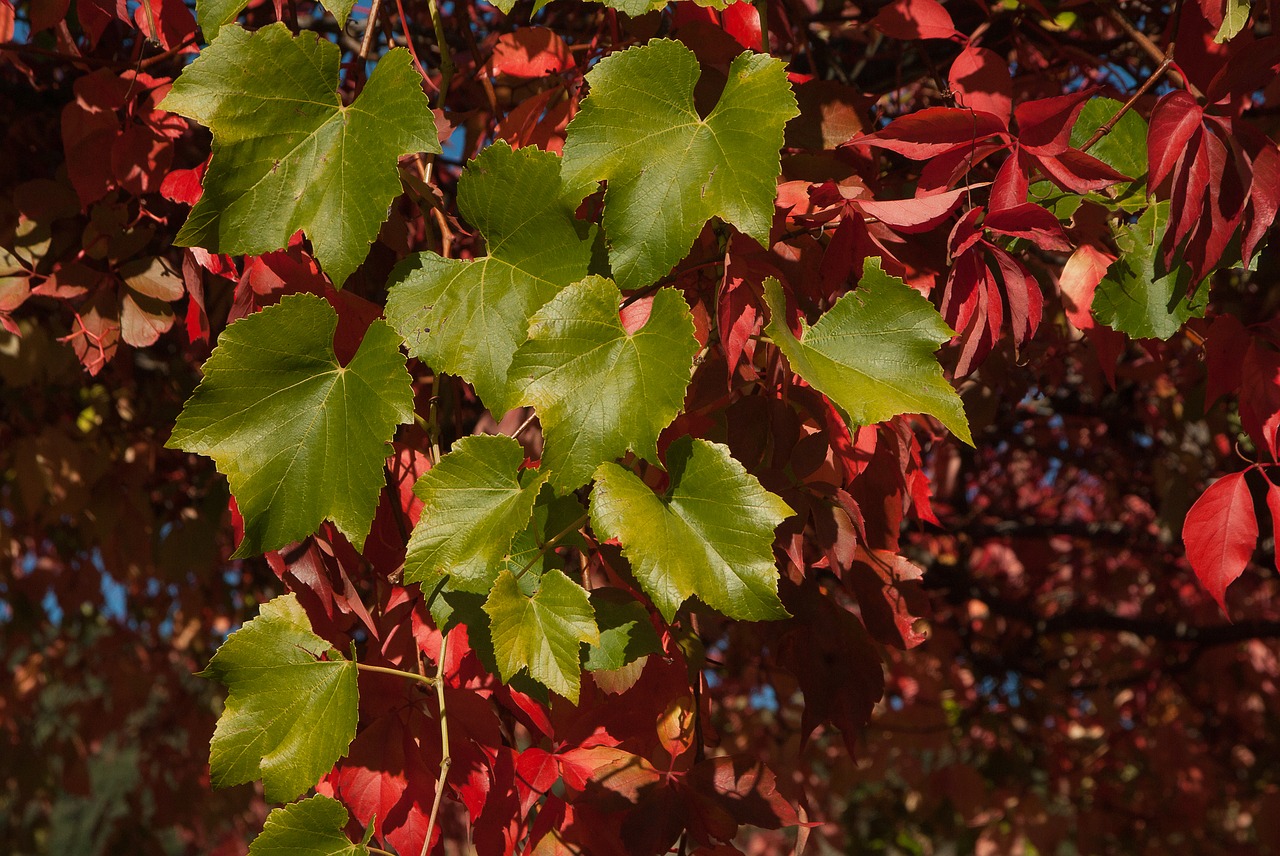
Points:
x=933, y=131
x=1174, y=120
x=915, y=19
x=1220, y=533
x=184, y=185
x=1264, y=198
x=1273, y=505
x=1010, y=187
x=1044, y=126
x=1032, y=222
x=1225, y=347
x=913, y=215
x=1026, y=300
x=981, y=81
x=745, y=789
x=1076, y=171
x=742, y=21
x=1078, y=282
x=530, y=52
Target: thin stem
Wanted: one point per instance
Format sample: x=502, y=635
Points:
x=1143, y=41
x=399, y=673
x=1128, y=105
x=408, y=40
x=445, y=762
x=433, y=419
x=378, y=850
x=550, y=545
x=515, y=435
x=370, y=27
x=446, y=59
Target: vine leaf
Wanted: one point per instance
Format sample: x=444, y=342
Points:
x=598, y=389
x=542, y=632
x=710, y=534
x=289, y=714
x=301, y=437
x=468, y=317
x=212, y=14
x=312, y=827
x=473, y=505
x=872, y=352
x=1138, y=295
x=287, y=155
x=626, y=634
x=669, y=170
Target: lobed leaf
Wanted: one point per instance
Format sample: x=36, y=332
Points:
x=289, y=715
x=668, y=169
x=468, y=317
x=312, y=827
x=300, y=437
x=709, y=535
x=872, y=352
x=598, y=389
x=287, y=155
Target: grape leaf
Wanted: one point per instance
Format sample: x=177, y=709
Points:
x=289, y=715
x=542, y=632
x=312, y=827
x=669, y=170
x=598, y=390
x=1137, y=295
x=468, y=317
x=287, y=155
x=626, y=634
x=473, y=506
x=300, y=437
x=212, y=14
x=872, y=352
x=1234, y=18
x=710, y=535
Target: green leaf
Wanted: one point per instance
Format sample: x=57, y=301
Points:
x=212, y=14
x=552, y=516
x=1124, y=149
x=300, y=437
x=710, y=534
x=1234, y=19
x=626, y=633
x=473, y=506
x=872, y=352
x=543, y=632
x=312, y=827
x=468, y=317
x=669, y=170
x=289, y=715
x=287, y=155
x=1137, y=295
x=598, y=390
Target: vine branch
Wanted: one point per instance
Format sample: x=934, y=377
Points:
x=445, y=761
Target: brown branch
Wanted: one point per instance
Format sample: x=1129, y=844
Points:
x=370, y=27
x=1143, y=41
x=1128, y=105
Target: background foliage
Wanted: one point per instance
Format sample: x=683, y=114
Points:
x=994, y=647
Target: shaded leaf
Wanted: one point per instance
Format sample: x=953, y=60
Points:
x=1220, y=533
x=626, y=634
x=872, y=352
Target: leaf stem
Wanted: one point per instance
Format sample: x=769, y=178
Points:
x=378, y=850
x=1128, y=105
x=370, y=26
x=446, y=761
x=446, y=59
x=399, y=673
x=551, y=543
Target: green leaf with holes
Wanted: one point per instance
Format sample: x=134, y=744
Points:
x=287, y=155
x=598, y=389
x=872, y=353
x=669, y=170
x=300, y=437
x=710, y=534
x=289, y=715
x=468, y=317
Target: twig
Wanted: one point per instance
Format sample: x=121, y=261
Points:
x=445, y=761
x=399, y=673
x=1128, y=105
x=515, y=435
x=370, y=27
x=1152, y=50
x=408, y=40
x=446, y=59
x=550, y=545
x=433, y=419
